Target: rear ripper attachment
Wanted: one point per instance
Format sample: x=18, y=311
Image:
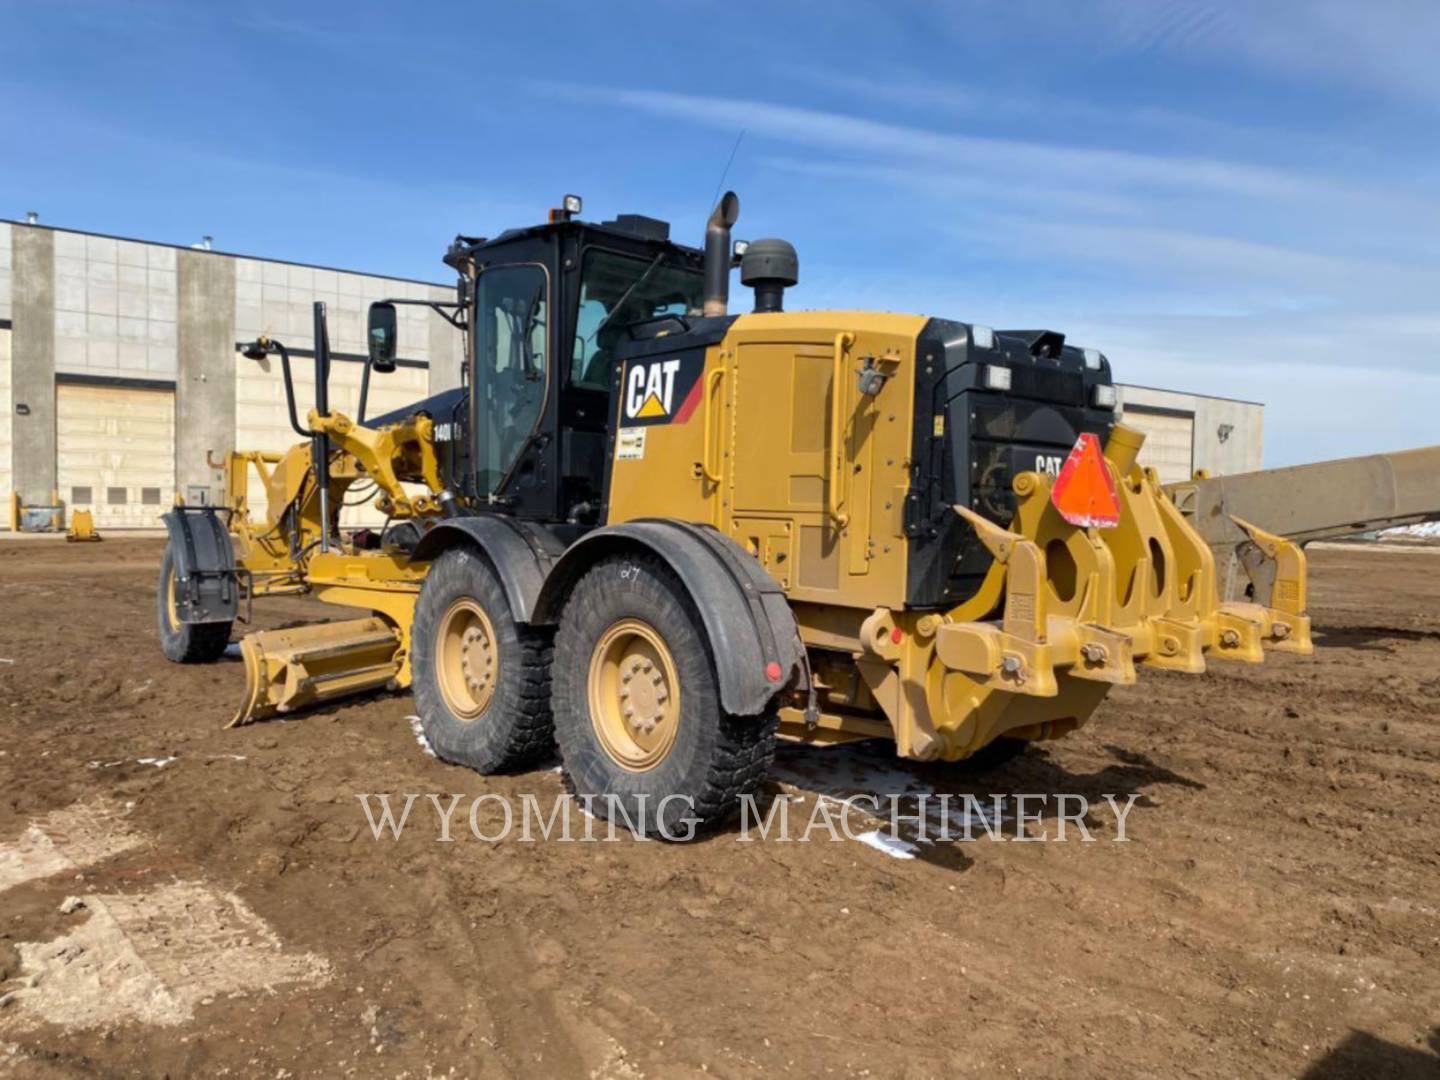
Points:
x=1080, y=606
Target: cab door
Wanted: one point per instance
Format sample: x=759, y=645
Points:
x=510, y=387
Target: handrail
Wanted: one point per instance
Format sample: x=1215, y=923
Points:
x=835, y=495
x=712, y=379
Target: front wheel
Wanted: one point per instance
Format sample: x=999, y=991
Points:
x=482, y=681
x=182, y=642
x=637, y=705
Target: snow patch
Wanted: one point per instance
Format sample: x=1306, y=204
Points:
x=871, y=771
x=419, y=729
x=886, y=844
x=1427, y=529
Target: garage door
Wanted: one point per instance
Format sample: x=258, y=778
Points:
x=116, y=453
x=1169, y=441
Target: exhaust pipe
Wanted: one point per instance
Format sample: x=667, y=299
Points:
x=717, y=253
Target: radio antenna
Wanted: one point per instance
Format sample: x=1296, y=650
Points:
x=726, y=171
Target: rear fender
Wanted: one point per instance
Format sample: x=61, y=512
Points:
x=752, y=632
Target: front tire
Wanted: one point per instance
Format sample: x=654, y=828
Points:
x=637, y=706
x=185, y=643
x=482, y=681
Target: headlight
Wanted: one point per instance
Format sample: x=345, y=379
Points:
x=572, y=204
x=1094, y=359
x=996, y=377
x=1105, y=397
x=984, y=338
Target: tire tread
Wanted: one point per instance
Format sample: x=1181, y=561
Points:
x=519, y=732
x=193, y=643
x=744, y=747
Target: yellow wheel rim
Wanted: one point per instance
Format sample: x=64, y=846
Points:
x=172, y=609
x=466, y=659
x=634, y=695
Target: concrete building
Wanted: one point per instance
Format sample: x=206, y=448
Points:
x=121, y=369
x=1185, y=432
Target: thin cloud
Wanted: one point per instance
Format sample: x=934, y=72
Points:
x=1174, y=24
x=1274, y=268
x=1030, y=114
x=851, y=134
x=950, y=186
x=1385, y=45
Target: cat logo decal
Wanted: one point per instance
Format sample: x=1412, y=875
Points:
x=662, y=390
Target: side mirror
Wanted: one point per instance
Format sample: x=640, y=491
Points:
x=382, y=337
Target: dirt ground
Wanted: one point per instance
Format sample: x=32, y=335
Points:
x=183, y=900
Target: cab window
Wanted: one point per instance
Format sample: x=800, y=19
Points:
x=615, y=291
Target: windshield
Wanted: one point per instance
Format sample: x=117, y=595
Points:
x=615, y=291
x=510, y=367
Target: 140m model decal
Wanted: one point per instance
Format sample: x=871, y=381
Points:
x=661, y=389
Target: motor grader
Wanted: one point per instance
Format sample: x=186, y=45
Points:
x=663, y=535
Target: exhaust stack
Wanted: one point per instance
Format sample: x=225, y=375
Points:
x=717, y=253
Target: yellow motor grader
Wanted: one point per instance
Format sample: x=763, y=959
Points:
x=662, y=535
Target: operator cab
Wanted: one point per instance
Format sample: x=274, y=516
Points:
x=546, y=308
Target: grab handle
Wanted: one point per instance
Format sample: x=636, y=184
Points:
x=835, y=493
x=712, y=379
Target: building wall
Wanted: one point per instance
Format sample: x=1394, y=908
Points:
x=277, y=299
x=115, y=306
x=1227, y=435
x=7, y=263
x=122, y=316
x=32, y=363
x=204, y=389
x=7, y=403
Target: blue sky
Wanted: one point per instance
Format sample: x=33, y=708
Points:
x=1233, y=198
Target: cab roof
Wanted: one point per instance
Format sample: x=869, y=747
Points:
x=630, y=226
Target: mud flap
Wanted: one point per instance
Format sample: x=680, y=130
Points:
x=207, y=581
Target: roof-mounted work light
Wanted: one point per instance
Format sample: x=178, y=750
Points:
x=570, y=205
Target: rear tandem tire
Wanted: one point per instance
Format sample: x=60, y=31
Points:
x=185, y=643
x=637, y=705
x=482, y=681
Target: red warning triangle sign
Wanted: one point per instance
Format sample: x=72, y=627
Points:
x=1084, y=492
